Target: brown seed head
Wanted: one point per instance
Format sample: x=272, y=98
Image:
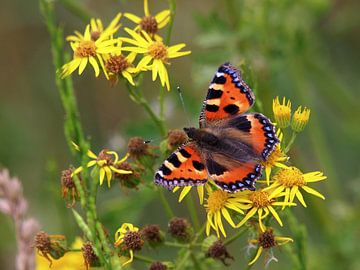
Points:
x=103, y=155
x=89, y=255
x=267, y=239
x=133, y=241
x=42, y=242
x=66, y=179
x=176, y=137
x=158, y=266
x=149, y=25
x=137, y=147
x=179, y=228
x=218, y=251
x=151, y=233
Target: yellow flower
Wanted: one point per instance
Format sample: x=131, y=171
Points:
x=282, y=112
x=105, y=162
x=300, y=119
x=290, y=181
x=70, y=261
x=186, y=190
x=134, y=241
x=157, y=54
x=262, y=203
x=217, y=205
x=91, y=47
x=266, y=241
x=275, y=159
x=117, y=64
x=149, y=23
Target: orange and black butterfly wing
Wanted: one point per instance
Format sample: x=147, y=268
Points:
x=228, y=95
x=252, y=138
x=184, y=167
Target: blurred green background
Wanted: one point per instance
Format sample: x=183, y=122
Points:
x=308, y=51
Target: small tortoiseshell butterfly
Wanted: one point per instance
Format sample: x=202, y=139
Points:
x=230, y=144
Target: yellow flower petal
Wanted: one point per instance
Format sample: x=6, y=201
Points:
x=219, y=223
x=162, y=18
x=146, y=8
x=95, y=65
x=102, y=175
x=313, y=192
x=132, y=17
x=258, y=253
x=300, y=198
x=82, y=65
x=200, y=190
x=247, y=217
x=128, y=77
x=184, y=192
x=227, y=216
x=276, y=216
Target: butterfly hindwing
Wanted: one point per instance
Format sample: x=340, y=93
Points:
x=228, y=95
x=236, y=177
x=184, y=167
x=257, y=131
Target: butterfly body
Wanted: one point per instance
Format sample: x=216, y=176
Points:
x=229, y=144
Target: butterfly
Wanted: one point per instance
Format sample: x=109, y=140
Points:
x=229, y=145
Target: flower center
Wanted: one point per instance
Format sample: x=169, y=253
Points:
x=86, y=48
x=273, y=157
x=149, y=24
x=158, y=50
x=267, y=239
x=104, y=156
x=260, y=198
x=290, y=177
x=133, y=240
x=116, y=64
x=216, y=200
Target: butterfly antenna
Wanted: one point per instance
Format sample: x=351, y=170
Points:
x=183, y=105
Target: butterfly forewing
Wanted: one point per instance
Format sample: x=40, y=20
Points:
x=184, y=167
x=228, y=95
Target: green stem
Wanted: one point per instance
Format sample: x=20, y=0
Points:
x=165, y=203
x=291, y=142
x=75, y=8
x=172, y=7
x=140, y=99
x=192, y=210
x=143, y=258
x=173, y=244
x=231, y=239
x=195, y=261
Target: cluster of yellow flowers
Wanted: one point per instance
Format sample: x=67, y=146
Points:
x=105, y=52
x=282, y=185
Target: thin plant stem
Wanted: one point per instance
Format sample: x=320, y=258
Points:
x=172, y=7
x=165, y=203
x=192, y=210
x=143, y=258
x=140, y=99
x=75, y=8
x=290, y=143
x=173, y=244
x=231, y=239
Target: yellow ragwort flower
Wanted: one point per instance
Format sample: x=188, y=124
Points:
x=156, y=54
x=150, y=24
x=276, y=158
x=266, y=241
x=116, y=64
x=120, y=236
x=300, y=119
x=91, y=47
x=72, y=260
x=186, y=190
x=262, y=203
x=106, y=162
x=217, y=205
x=291, y=180
x=282, y=112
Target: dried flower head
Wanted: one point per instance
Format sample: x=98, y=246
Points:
x=127, y=180
x=218, y=251
x=158, y=266
x=152, y=234
x=138, y=147
x=180, y=229
x=267, y=240
x=68, y=188
x=90, y=258
x=53, y=245
x=175, y=138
